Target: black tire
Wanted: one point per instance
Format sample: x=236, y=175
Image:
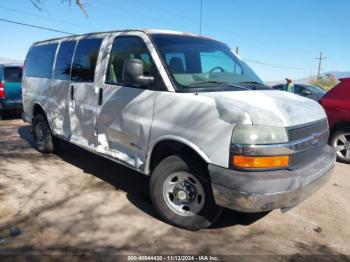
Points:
x=2, y=114
x=342, y=156
x=43, y=138
x=169, y=166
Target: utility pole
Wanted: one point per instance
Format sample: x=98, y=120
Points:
x=200, y=18
x=319, y=64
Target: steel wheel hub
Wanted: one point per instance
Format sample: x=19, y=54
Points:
x=183, y=194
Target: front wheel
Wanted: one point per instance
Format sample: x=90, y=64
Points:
x=182, y=195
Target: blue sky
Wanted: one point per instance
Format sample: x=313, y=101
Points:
x=277, y=32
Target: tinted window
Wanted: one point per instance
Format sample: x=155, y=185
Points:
x=280, y=87
x=13, y=74
x=85, y=59
x=127, y=47
x=40, y=60
x=64, y=60
x=299, y=89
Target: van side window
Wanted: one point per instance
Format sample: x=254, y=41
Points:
x=64, y=60
x=85, y=60
x=127, y=47
x=40, y=61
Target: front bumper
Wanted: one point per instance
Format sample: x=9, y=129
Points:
x=260, y=191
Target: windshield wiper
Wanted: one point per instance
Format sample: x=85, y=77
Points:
x=217, y=82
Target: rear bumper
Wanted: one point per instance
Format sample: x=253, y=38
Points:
x=263, y=191
x=6, y=104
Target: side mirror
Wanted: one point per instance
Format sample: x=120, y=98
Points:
x=133, y=72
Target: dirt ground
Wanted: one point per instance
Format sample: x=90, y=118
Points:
x=75, y=201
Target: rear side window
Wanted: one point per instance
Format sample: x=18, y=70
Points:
x=13, y=74
x=64, y=60
x=40, y=60
x=85, y=59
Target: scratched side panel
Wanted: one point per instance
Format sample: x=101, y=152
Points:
x=124, y=123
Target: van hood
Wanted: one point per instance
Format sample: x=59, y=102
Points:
x=266, y=107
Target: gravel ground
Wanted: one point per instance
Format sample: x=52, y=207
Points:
x=74, y=201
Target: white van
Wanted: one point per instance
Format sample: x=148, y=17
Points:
x=184, y=110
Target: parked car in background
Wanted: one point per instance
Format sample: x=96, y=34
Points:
x=10, y=87
x=184, y=110
x=309, y=91
x=336, y=102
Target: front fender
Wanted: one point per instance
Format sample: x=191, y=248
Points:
x=182, y=140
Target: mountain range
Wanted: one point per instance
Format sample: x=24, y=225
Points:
x=4, y=60
x=337, y=74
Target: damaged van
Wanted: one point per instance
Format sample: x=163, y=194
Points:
x=184, y=110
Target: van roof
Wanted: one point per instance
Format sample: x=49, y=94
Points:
x=146, y=31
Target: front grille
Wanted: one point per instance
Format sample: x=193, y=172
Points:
x=300, y=132
x=312, y=151
x=301, y=158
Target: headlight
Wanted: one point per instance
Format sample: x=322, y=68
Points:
x=259, y=135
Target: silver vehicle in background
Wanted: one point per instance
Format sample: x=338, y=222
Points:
x=184, y=110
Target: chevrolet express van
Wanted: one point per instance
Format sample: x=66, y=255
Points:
x=184, y=110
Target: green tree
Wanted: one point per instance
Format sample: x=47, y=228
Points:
x=39, y=4
x=327, y=82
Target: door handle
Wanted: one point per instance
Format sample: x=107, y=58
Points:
x=100, y=96
x=71, y=92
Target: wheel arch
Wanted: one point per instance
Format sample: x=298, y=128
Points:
x=38, y=108
x=168, y=145
x=339, y=125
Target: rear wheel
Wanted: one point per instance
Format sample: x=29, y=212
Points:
x=182, y=195
x=341, y=144
x=42, y=134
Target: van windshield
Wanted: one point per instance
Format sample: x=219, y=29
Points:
x=195, y=62
x=13, y=74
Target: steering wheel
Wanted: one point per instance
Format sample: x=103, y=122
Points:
x=217, y=68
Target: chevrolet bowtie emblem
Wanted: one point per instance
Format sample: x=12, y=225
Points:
x=315, y=139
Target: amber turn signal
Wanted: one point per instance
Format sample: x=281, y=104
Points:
x=260, y=162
